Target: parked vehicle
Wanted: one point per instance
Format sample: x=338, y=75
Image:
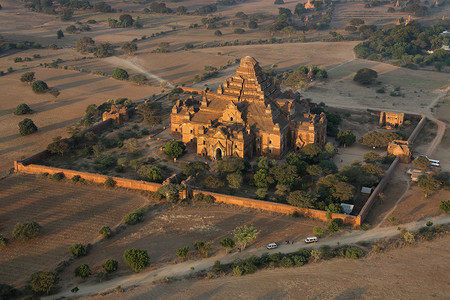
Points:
x=271, y=246
x=311, y=239
x=433, y=162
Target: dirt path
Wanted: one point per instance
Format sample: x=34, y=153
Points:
x=441, y=125
x=189, y=267
x=134, y=64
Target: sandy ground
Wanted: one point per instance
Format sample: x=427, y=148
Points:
x=417, y=272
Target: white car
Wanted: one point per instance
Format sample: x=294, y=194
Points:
x=312, y=239
x=271, y=246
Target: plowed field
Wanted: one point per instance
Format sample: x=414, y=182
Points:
x=68, y=213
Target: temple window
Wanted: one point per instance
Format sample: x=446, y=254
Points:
x=191, y=130
x=231, y=118
x=204, y=142
x=270, y=141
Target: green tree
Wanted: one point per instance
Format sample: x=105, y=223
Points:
x=262, y=178
x=218, y=33
x=27, y=77
x=39, y=86
x=245, y=234
x=59, y=34
x=26, y=231
x=174, y=149
x=346, y=138
x=311, y=151
x=365, y=76
x=182, y=252
x=106, y=232
x=373, y=169
x=120, y=74
x=428, y=185
x=78, y=250
x=231, y=164
x=317, y=230
x=85, y=44
x=444, y=206
x=235, y=180
x=302, y=199
x=44, y=282
x=104, y=50
x=58, y=146
x=203, y=247
x=333, y=226
x=23, y=109
x=139, y=79
x=136, y=259
x=82, y=271
x=379, y=139
x=284, y=174
x=356, y=22
x=421, y=163
x=228, y=244
x=129, y=48
x=372, y=157
x=110, y=265
x=102, y=7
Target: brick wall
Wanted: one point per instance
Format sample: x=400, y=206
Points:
x=97, y=178
x=280, y=208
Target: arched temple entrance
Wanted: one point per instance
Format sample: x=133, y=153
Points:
x=218, y=153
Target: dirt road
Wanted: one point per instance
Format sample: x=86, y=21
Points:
x=186, y=268
x=441, y=125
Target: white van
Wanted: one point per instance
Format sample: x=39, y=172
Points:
x=312, y=239
x=272, y=246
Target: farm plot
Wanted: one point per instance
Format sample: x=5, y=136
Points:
x=68, y=214
x=165, y=230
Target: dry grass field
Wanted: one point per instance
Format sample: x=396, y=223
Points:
x=51, y=116
x=68, y=214
x=417, y=272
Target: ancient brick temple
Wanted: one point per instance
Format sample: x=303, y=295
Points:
x=391, y=119
x=247, y=115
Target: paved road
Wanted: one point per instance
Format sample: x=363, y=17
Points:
x=182, y=269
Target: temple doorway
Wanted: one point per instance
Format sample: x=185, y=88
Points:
x=218, y=153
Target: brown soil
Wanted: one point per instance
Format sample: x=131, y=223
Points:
x=416, y=272
x=68, y=213
x=166, y=230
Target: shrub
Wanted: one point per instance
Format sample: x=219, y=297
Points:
x=110, y=265
x=445, y=206
x=135, y=217
x=78, y=250
x=27, y=77
x=27, y=127
x=76, y=178
x=218, y=33
x=333, y=227
x=286, y=262
x=317, y=230
x=44, y=282
x=120, y=74
x=239, y=31
x=39, y=86
x=82, y=271
x=209, y=199
x=227, y=243
x=105, y=231
x=23, y=109
x=203, y=247
x=174, y=149
x=136, y=259
x=3, y=241
x=365, y=76
x=109, y=182
x=58, y=176
x=354, y=253
x=26, y=231
x=182, y=252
